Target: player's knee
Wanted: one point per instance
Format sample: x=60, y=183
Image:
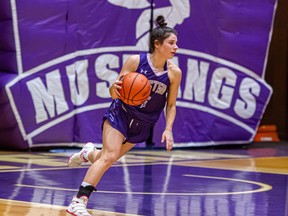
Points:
x=110, y=158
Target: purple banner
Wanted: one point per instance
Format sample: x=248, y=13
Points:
x=60, y=58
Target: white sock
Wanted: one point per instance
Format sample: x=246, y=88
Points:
x=85, y=155
x=84, y=184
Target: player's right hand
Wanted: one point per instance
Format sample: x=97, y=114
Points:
x=114, y=89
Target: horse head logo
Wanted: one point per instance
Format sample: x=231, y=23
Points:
x=174, y=14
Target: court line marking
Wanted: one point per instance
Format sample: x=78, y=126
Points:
x=57, y=207
x=85, y=167
x=263, y=187
x=193, y=154
x=201, y=164
x=184, y=163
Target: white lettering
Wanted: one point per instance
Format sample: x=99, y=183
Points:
x=102, y=68
x=196, y=80
x=78, y=82
x=158, y=87
x=221, y=89
x=44, y=100
x=246, y=107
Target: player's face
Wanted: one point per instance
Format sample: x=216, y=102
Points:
x=169, y=46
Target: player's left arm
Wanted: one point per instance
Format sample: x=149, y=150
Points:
x=175, y=75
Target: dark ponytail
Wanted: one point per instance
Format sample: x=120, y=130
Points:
x=160, y=22
x=160, y=33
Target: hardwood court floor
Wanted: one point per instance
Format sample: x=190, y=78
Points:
x=196, y=181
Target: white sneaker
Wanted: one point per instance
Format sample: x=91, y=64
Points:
x=78, y=206
x=77, y=159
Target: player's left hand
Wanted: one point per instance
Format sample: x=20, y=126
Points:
x=167, y=136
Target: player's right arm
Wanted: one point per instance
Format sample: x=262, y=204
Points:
x=130, y=65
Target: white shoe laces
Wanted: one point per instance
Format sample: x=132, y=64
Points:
x=78, y=207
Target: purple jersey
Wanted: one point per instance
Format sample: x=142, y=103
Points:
x=134, y=122
x=150, y=110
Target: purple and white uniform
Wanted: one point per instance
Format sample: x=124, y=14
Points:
x=134, y=122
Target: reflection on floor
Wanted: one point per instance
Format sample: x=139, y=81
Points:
x=250, y=180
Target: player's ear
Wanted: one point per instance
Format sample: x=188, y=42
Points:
x=156, y=43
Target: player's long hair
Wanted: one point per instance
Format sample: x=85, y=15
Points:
x=160, y=33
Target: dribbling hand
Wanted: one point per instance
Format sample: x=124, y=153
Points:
x=168, y=137
x=114, y=88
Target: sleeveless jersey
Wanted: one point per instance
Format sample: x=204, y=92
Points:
x=150, y=110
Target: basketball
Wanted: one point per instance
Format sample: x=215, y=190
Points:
x=135, y=90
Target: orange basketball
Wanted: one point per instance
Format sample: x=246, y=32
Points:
x=135, y=90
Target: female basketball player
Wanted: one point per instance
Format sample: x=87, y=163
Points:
x=125, y=125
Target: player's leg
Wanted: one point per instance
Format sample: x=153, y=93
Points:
x=111, y=151
x=89, y=153
x=96, y=154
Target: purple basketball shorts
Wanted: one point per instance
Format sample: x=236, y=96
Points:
x=134, y=131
